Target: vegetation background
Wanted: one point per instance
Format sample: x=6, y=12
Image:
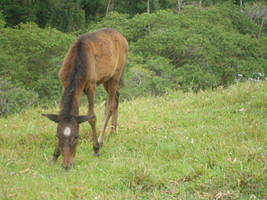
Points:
x=174, y=44
x=200, y=132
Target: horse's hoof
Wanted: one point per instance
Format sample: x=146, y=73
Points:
x=96, y=150
x=52, y=161
x=96, y=154
x=72, y=165
x=110, y=135
x=100, y=143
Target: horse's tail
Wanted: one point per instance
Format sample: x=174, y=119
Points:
x=121, y=83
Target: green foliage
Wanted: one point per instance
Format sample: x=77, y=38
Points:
x=258, y=13
x=146, y=76
x=199, y=48
x=71, y=12
x=2, y=21
x=74, y=15
x=32, y=56
x=196, y=78
x=114, y=20
x=61, y=14
x=14, y=98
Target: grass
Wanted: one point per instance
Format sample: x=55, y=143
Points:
x=210, y=145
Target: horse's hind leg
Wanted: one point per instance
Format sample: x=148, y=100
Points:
x=117, y=97
x=111, y=86
x=115, y=114
x=90, y=92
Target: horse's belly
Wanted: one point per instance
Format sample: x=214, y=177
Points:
x=105, y=72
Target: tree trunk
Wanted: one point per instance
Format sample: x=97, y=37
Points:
x=148, y=7
x=148, y=11
x=107, y=11
x=261, y=25
x=223, y=79
x=179, y=5
x=200, y=3
x=241, y=5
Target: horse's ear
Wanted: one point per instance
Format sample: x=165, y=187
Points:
x=84, y=118
x=52, y=117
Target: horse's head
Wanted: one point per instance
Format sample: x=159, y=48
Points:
x=67, y=134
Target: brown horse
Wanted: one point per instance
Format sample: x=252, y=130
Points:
x=95, y=58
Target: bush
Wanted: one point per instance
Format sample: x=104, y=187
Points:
x=14, y=98
x=2, y=21
x=31, y=56
x=198, y=49
x=194, y=77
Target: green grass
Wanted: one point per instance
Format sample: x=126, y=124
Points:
x=210, y=145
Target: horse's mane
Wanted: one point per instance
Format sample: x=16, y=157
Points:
x=74, y=80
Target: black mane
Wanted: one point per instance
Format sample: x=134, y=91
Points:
x=77, y=75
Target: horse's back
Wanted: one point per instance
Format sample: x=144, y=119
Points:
x=108, y=49
x=105, y=51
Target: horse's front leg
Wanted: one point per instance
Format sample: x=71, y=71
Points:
x=90, y=92
x=55, y=155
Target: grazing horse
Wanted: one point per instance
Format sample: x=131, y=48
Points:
x=93, y=59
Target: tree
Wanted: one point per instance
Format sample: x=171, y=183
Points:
x=179, y=6
x=258, y=13
x=108, y=7
x=148, y=7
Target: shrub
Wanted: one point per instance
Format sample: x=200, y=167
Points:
x=2, y=21
x=198, y=49
x=31, y=56
x=14, y=98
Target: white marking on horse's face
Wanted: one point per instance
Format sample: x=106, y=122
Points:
x=67, y=131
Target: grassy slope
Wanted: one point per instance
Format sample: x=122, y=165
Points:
x=190, y=146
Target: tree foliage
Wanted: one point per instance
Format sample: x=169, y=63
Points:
x=32, y=56
x=73, y=15
x=198, y=48
x=14, y=97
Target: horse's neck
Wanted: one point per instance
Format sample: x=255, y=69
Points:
x=74, y=111
x=70, y=102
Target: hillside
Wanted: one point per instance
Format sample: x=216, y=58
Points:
x=209, y=145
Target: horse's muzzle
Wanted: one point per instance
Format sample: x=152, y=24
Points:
x=67, y=167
